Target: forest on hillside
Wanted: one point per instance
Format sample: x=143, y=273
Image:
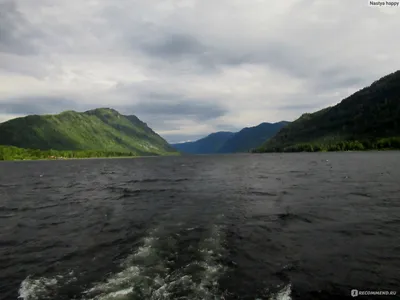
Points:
x=14, y=153
x=368, y=119
x=392, y=143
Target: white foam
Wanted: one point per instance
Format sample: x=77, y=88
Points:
x=144, y=273
x=283, y=294
x=143, y=251
x=121, y=284
x=145, y=263
x=116, y=295
x=117, y=280
x=39, y=288
x=35, y=289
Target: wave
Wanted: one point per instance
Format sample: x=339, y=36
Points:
x=155, y=272
x=129, y=192
x=44, y=288
x=283, y=294
x=149, y=180
x=35, y=289
x=184, y=265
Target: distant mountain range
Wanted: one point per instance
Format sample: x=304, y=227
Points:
x=368, y=119
x=101, y=129
x=207, y=145
x=230, y=142
x=251, y=137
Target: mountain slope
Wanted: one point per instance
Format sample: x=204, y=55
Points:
x=99, y=129
x=251, y=137
x=368, y=115
x=210, y=144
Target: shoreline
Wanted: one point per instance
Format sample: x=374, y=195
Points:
x=341, y=151
x=211, y=154
x=85, y=158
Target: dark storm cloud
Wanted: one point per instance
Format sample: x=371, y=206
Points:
x=36, y=105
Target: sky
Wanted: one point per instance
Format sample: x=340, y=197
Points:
x=189, y=68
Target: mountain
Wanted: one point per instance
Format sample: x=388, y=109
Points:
x=229, y=142
x=251, y=137
x=368, y=119
x=101, y=129
x=210, y=144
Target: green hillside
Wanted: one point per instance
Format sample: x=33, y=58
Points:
x=368, y=119
x=100, y=129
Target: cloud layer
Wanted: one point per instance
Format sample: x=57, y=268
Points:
x=189, y=67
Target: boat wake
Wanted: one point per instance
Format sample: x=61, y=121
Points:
x=162, y=269
x=184, y=265
x=44, y=288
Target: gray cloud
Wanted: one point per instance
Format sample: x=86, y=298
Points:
x=36, y=105
x=184, y=47
x=338, y=78
x=196, y=111
x=17, y=34
x=172, y=107
x=302, y=107
x=175, y=46
x=191, y=67
x=284, y=56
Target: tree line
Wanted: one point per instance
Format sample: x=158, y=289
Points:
x=15, y=153
x=392, y=143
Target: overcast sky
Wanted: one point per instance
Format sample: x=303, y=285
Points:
x=189, y=68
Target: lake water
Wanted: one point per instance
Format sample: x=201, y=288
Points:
x=246, y=226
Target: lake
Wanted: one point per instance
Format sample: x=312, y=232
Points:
x=245, y=226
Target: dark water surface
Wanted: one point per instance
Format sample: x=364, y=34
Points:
x=268, y=226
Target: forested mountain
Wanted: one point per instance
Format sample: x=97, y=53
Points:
x=368, y=119
x=101, y=129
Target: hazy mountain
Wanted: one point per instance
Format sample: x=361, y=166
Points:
x=251, y=137
x=209, y=144
x=229, y=142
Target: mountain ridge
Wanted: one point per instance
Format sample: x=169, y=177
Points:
x=206, y=145
x=367, y=119
x=103, y=129
x=251, y=137
x=232, y=142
